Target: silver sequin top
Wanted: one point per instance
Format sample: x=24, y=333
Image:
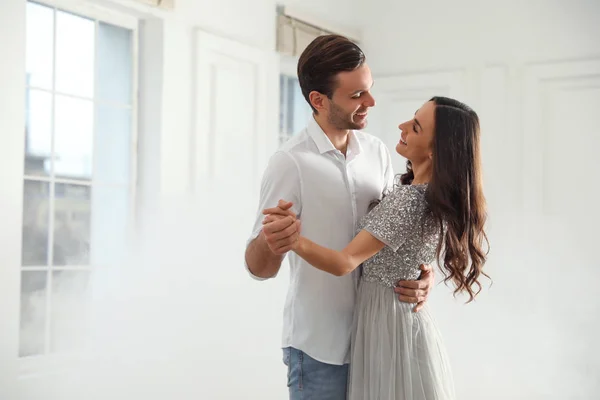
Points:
x=403, y=222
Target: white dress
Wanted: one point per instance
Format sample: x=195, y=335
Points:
x=397, y=354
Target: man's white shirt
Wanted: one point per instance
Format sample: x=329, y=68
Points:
x=330, y=193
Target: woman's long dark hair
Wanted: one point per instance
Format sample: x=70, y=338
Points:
x=455, y=195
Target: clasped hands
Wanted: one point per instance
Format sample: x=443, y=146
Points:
x=281, y=230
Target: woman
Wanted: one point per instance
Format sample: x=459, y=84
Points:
x=438, y=211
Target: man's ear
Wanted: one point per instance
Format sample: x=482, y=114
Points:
x=318, y=100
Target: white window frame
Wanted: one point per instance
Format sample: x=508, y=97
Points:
x=32, y=366
x=288, y=65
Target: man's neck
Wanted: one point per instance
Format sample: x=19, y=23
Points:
x=338, y=137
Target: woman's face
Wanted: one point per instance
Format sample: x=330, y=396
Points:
x=416, y=135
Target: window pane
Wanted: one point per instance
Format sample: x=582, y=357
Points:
x=40, y=33
x=67, y=320
x=115, y=58
x=301, y=110
x=72, y=224
x=38, y=132
x=291, y=88
x=74, y=54
x=112, y=147
x=294, y=110
x=282, y=103
x=36, y=204
x=110, y=222
x=73, y=139
x=33, y=313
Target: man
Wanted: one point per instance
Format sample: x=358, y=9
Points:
x=329, y=173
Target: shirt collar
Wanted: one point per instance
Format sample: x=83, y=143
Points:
x=354, y=146
x=324, y=144
x=320, y=138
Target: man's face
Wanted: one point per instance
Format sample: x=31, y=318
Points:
x=351, y=100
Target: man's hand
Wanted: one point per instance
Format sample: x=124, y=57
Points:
x=417, y=291
x=281, y=229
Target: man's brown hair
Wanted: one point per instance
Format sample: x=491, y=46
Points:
x=321, y=61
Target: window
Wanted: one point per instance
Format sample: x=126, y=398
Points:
x=79, y=167
x=294, y=111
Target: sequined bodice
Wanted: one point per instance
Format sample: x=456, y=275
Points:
x=402, y=221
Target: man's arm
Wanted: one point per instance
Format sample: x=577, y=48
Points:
x=417, y=291
x=265, y=253
x=262, y=263
x=268, y=244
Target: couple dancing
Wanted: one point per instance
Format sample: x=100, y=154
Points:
x=328, y=197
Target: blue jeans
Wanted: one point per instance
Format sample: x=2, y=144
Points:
x=309, y=379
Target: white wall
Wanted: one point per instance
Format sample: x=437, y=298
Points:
x=434, y=34
x=527, y=68
x=12, y=122
x=250, y=22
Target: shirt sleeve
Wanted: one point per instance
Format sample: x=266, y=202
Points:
x=281, y=181
x=397, y=217
x=389, y=169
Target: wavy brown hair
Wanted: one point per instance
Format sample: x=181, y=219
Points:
x=455, y=195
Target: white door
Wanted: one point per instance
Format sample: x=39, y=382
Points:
x=235, y=133
x=235, y=113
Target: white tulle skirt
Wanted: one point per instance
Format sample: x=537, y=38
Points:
x=396, y=354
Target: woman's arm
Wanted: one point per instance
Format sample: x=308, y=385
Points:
x=339, y=263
